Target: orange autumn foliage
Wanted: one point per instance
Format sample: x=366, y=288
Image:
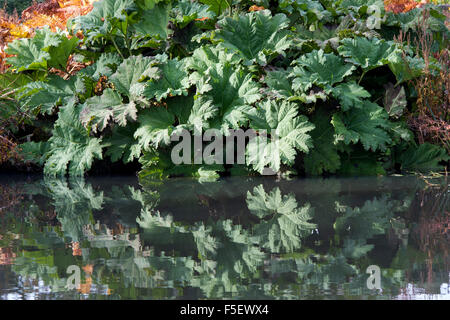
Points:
x=76, y=250
x=7, y=256
x=255, y=8
x=52, y=13
x=398, y=6
x=202, y=19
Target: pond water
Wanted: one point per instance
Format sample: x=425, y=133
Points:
x=237, y=238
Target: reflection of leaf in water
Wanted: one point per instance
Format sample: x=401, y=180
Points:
x=73, y=204
x=365, y=222
x=124, y=203
x=356, y=248
x=206, y=243
x=237, y=250
x=152, y=271
x=152, y=219
x=287, y=224
x=219, y=258
x=160, y=231
x=334, y=270
x=235, y=259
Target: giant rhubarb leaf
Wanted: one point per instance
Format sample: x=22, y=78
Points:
x=105, y=65
x=350, y=95
x=98, y=111
x=424, y=157
x=217, y=6
x=103, y=20
x=156, y=127
x=46, y=95
x=122, y=144
x=128, y=81
x=255, y=36
x=130, y=75
x=45, y=49
x=187, y=11
x=319, y=68
x=367, y=125
x=288, y=134
x=368, y=53
x=206, y=57
x=172, y=81
x=71, y=147
x=232, y=91
x=154, y=23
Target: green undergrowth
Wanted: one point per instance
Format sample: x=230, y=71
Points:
x=325, y=77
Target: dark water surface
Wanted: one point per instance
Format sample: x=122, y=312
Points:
x=238, y=238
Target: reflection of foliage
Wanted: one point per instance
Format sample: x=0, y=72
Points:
x=284, y=223
x=73, y=205
x=268, y=251
x=367, y=221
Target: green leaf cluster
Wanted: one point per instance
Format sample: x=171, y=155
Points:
x=307, y=77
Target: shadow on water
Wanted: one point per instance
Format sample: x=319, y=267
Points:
x=244, y=238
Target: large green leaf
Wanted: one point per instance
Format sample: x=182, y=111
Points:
x=319, y=68
x=367, y=125
x=122, y=144
x=71, y=147
x=202, y=111
x=154, y=22
x=256, y=35
x=350, y=95
x=425, y=157
x=232, y=91
x=103, y=21
x=279, y=84
x=310, y=11
x=98, y=111
x=172, y=81
x=131, y=74
x=47, y=95
x=60, y=54
x=187, y=11
x=406, y=68
x=105, y=65
x=288, y=134
x=217, y=6
x=208, y=56
x=33, y=53
x=156, y=127
x=128, y=80
x=368, y=53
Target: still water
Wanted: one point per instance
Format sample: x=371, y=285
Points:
x=237, y=238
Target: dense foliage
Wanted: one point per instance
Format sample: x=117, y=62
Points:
x=328, y=78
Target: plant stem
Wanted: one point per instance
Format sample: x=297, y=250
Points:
x=117, y=48
x=362, y=76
